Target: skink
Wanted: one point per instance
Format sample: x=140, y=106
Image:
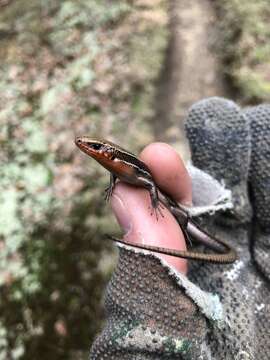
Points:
x=126, y=167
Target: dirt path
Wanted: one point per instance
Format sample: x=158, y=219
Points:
x=190, y=71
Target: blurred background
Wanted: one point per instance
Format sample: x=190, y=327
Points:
x=126, y=70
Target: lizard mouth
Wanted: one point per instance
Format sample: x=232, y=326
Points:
x=83, y=146
x=91, y=148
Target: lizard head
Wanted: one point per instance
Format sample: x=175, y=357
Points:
x=96, y=148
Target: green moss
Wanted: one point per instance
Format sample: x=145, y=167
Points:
x=244, y=46
x=68, y=67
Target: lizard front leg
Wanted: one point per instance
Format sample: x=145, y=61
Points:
x=109, y=189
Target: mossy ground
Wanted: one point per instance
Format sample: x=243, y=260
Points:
x=67, y=68
x=244, y=45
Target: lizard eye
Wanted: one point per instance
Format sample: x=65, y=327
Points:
x=95, y=146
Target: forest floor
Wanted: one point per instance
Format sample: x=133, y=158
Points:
x=191, y=70
x=216, y=48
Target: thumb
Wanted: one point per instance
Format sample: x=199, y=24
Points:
x=132, y=208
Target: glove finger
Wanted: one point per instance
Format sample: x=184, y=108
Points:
x=259, y=118
x=219, y=138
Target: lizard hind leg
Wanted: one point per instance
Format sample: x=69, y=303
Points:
x=186, y=236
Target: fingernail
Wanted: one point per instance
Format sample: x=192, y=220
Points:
x=187, y=203
x=121, y=213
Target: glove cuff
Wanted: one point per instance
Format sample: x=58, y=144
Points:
x=220, y=141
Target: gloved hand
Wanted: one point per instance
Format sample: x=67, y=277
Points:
x=233, y=145
x=154, y=311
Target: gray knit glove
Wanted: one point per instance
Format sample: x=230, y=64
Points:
x=234, y=146
x=218, y=312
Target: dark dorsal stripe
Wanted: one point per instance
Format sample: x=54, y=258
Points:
x=131, y=159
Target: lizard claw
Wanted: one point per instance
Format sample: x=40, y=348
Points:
x=157, y=210
x=108, y=194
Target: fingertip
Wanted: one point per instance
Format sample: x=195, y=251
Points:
x=169, y=171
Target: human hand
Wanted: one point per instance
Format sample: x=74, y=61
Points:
x=132, y=205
